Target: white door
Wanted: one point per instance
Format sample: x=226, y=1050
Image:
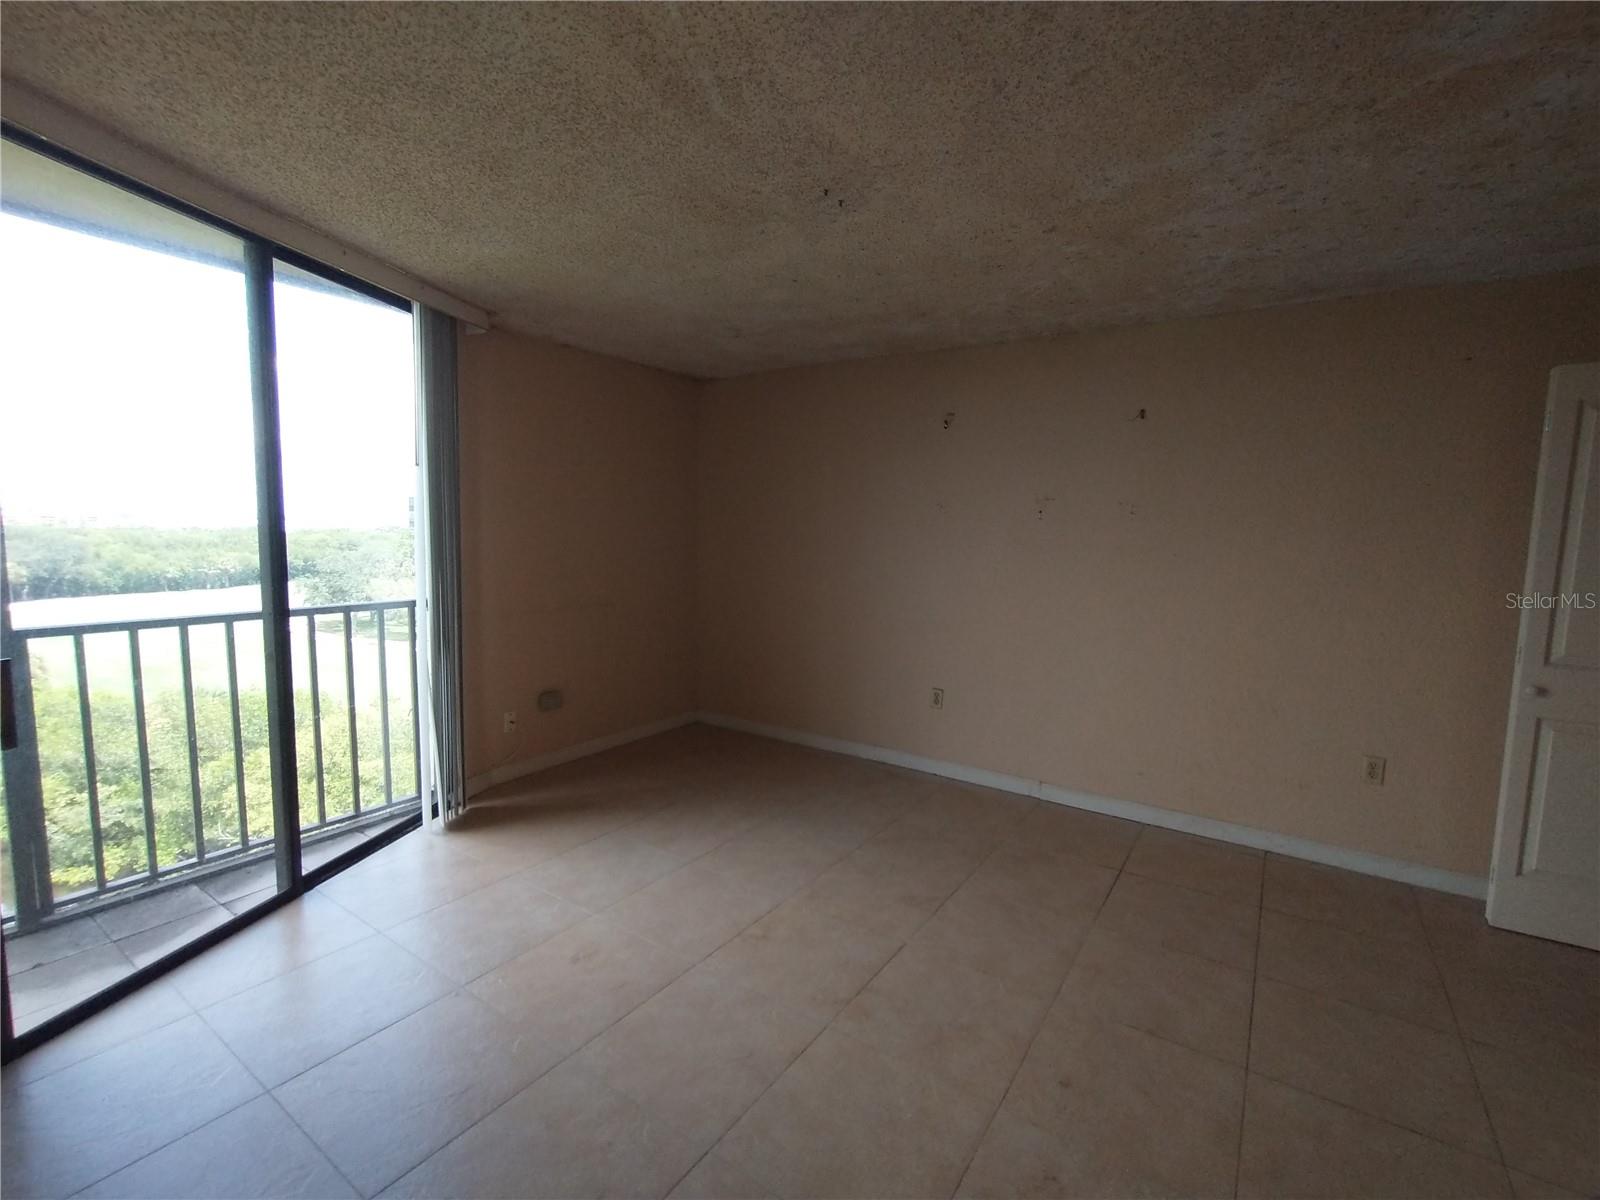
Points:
x=1546, y=874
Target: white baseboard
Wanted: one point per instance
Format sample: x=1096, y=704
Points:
x=477, y=784
x=1148, y=814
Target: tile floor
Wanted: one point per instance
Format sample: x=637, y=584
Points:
x=68, y=961
x=711, y=965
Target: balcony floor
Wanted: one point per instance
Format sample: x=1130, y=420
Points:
x=72, y=959
x=711, y=965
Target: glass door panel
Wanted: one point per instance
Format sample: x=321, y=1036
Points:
x=347, y=405
x=139, y=806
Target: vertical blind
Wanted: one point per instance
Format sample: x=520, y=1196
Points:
x=439, y=580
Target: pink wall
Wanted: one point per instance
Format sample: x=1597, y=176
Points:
x=577, y=545
x=1298, y=557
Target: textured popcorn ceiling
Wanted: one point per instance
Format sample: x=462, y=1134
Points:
x=725, y=188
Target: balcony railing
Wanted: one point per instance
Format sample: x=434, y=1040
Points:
x=152, y=766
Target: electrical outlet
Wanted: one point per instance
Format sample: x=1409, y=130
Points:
x=938, y=698
x=1373, y=771
x=508, y=721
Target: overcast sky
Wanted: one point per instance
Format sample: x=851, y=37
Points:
x=125, y=392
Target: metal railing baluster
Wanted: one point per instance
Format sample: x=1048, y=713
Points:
x=383, y=705
x=91, y=770
x=187, y=669
x=416, y=704
x=143, y=738
x=238, y=737
x=316, y=717
x=350, y=696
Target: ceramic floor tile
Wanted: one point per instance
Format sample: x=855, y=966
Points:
x=1364, y=904
x=930, y=1009
x=689, y=829
x=599, y=873
x=523, y=836
x=1526, y=1187
x=700, y=1051
x=767, y=862
x=1040, y=882
x=387, y=1103
x=417, y=873
x=1368, y=972
x=565, y=990
x=981, y=817
x=255, y=1151
x=1189, y=1000
x=715, y=1178
x=1389, y=1068
x=80, y=1124
x=694, y=910
x=152, y=1006
x=1020, y=1161
x=394, y=1079
x=1100, y=1090
x=1232, y=872
x=1093, y=836
x=903, y=844
x=829, y=823
x=567, y=1135
x=894, y=881
x=1179, y=918
x=1554, y=1024
x=1545, y=1118
x=895, y=792
x=1459, y=933
x=809, y=960
x=293, y=935
x=1298, y=1145
x=300, y=1018
x=846, y=1120
x=987, y=933
x=483, y=929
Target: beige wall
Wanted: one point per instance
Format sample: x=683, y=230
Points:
x=577, y=545
x=1299, y=557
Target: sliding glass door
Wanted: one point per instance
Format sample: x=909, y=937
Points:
x=131, y=558
x=206, y=481
x=346, y=384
